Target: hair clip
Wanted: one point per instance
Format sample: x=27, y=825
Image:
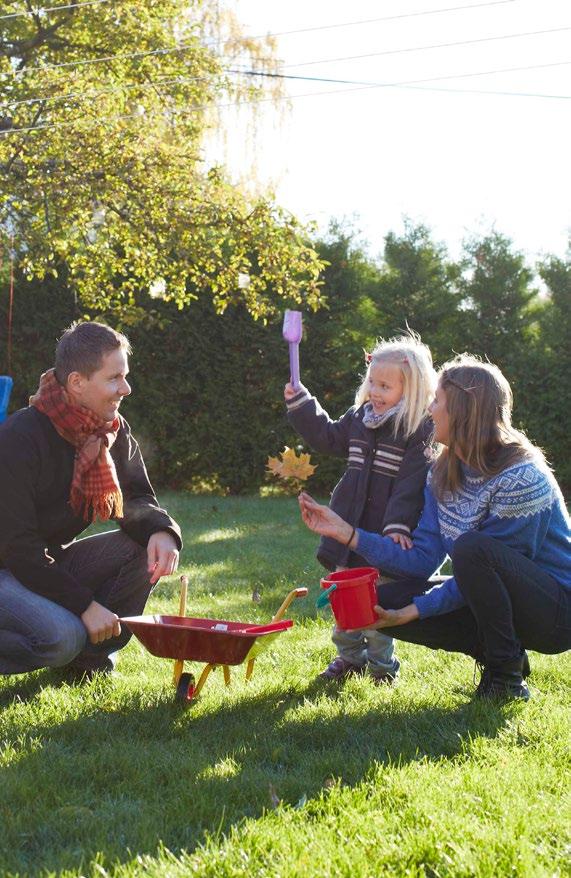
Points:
x=368, y=356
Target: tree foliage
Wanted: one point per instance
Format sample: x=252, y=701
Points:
x=103, y=116
x=207, y=400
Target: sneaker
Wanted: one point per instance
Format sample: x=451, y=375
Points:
x=505, y=680
x=339, y=669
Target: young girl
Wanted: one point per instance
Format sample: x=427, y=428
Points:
x=384, y=437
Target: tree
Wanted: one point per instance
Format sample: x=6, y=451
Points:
x=497, y=297
x=102, y=119
x=416, y=290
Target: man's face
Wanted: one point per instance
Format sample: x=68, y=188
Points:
x=103, y=391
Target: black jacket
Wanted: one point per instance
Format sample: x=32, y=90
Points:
x=382, y=489
x=36, y=520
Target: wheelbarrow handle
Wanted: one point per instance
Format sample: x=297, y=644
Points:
x=323, y=599
x=295, y=593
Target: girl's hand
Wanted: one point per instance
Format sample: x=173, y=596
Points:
x=289, y=392
x=392, y=618
x=403, y=541
x=322, y=520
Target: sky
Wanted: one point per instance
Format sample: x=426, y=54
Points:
x=440, y=151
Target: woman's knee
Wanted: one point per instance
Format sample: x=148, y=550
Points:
x=469, y=547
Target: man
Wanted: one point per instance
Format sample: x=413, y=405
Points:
x=66, y=460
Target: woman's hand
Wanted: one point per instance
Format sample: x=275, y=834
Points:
x=392, y=618
x=322, y=520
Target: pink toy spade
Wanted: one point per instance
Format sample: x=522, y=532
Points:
x=292, y=334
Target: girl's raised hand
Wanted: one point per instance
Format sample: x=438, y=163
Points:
x=289, y=391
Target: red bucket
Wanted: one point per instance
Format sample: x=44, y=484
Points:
x=355, y=596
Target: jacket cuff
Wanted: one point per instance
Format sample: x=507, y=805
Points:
x=299, y=399
x=396, y=529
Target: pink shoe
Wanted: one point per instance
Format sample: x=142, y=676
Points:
x=339, y=669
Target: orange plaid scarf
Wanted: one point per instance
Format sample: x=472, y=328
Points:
x=95, y=490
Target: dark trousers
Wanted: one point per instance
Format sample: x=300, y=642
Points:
x=510, y=603
x=37, y=633
x=115, y=567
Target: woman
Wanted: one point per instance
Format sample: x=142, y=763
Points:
x=494, y=507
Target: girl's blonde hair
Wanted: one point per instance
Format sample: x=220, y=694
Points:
x=414, y=360
x=480, y=432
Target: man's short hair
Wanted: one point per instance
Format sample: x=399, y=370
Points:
x=83, y=346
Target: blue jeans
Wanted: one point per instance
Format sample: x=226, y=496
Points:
x=367, y=647
x=38, y=633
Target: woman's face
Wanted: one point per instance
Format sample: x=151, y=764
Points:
x=439, y=414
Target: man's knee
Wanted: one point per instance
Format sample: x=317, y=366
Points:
x=63, y=644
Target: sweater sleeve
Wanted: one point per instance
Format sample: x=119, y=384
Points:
x=441, y=598
x=519, y=515
x=520, y=508
x=142, y=515
x=407, y=496
x=22, y=547
x=426, y=555
x=315, y=426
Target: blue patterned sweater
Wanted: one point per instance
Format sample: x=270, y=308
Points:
x=521, y=506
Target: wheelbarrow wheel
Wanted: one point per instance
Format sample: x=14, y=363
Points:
x=185, y=688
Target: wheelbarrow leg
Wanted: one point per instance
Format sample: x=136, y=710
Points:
x=226, y=670
x=179, y=663
x=202, y=679
x=277, y=617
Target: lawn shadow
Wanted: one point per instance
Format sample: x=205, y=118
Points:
x=124, y=780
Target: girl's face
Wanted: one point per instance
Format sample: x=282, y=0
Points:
x=439, y=414
x=385, y=386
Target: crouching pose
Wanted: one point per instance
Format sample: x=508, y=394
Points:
x=494, y=507
x=67, y=459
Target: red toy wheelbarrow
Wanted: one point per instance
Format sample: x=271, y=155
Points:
x=217, y=642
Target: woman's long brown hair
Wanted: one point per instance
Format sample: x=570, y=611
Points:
x=480, y=431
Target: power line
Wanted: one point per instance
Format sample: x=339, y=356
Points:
x=433, y=46
x=409, y=84
x=183, y=80
x=88, y=61
x=304, y=30
x=43, y=9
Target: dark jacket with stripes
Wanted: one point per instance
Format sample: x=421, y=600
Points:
x=382, y=488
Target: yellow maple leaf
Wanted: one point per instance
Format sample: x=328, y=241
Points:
x=291, y=465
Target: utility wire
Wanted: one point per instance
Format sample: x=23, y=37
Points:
x=532, y=33
x=306, y=30
x=183, y=80
x=183, y=48
x=410, y=84
x=43, y=9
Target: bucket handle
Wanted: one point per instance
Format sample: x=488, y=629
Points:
x=323, y=598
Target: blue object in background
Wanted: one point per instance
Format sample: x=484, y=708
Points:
x=5, y=390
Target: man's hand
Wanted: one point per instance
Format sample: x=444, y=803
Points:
x=323, y=520
x=100, y=622
x=162, y=555
x=403, y=541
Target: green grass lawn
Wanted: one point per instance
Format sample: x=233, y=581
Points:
x=280, y=776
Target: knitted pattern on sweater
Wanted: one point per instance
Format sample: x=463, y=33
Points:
x=522, y=507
